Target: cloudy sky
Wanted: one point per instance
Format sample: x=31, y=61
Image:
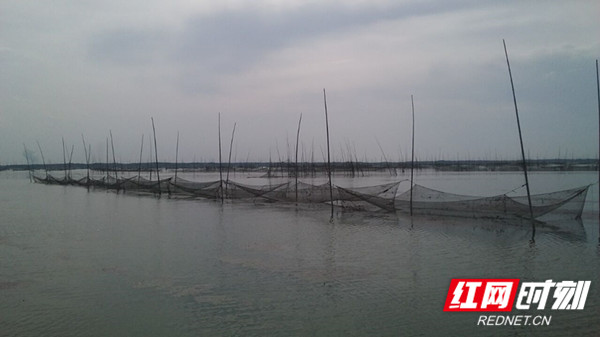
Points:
x=69, y=68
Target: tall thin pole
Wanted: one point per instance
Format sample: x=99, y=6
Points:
x=412, y=159
x=87, y=159
x=598, y=88
x=140, y=165
x=312, y=157
x=297, y=141
x=64, y=158
x=156, y=156
x=150, y=161
x=220, y=163
x=107, y=161
x=176, y=155
x=230, y=150
x=387, y=163
x=43, y=160
x=328, y=154
x=28, y=165
x=522, y=147
x=70, y=159
x=112, y=145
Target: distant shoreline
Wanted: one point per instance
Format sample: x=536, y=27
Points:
x=356, y=167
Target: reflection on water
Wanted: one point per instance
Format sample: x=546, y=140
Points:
x=99, y=263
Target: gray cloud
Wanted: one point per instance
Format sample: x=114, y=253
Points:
x=229, y=41
x=75, y=69
x=128, y=47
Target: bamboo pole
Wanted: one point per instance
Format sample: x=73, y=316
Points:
x=112, y=145
x=297, y=141
x=220, y=163
x=270, y=166
x=598, y=89
x=176, y=156
x=229, y=159
x=387, y=163
x=280, y=162
x=328, y=154
x=140, y=165
x=64, y=158
x=150, y=161
x=27, y=159
x=289, y=158
x=522, y=147
x=106, y=162
x=312, y=158
x=43, y=160
x=412, y=155
x=70, y=159
x=87, y=160
x=156, y=156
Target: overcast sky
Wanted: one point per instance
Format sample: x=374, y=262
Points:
x=69, y=68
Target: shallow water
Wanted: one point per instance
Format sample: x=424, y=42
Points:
x=76, y=262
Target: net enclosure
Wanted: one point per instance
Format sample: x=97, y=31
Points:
x=429, y=201
x=568, y=203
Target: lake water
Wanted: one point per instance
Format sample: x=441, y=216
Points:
x=75, y=262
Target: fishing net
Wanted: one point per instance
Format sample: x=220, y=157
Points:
x=235, y=190
x=49, y=179
x=210, y=189
x=424, y=200
x=303, y=193
x=430, y=201
x=142, y=184
x=40, y=180
x=567, y=202
x=382, y=196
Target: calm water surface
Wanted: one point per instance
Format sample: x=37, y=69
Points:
x=95, y=263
